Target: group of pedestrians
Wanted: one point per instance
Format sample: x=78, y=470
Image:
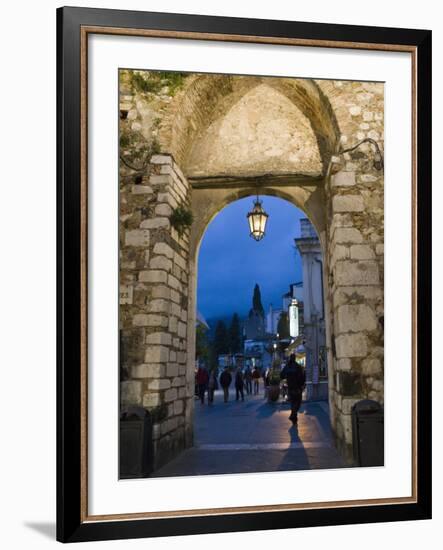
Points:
x=249, y=381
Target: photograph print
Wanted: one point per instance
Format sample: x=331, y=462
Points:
x=251, y=273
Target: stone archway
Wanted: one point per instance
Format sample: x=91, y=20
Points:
x=341, y=194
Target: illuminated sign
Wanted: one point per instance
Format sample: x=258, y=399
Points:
x=293, y=319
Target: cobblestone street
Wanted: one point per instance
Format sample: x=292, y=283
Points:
x=256, y=436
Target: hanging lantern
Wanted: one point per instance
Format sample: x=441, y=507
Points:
x=257, y=219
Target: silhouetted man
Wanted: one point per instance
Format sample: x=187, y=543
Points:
x=225, y=382
x=296, y=380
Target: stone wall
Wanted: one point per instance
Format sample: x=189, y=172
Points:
x=355, y=258
x=154, y=304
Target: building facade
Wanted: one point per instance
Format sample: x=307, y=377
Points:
x=314, y=331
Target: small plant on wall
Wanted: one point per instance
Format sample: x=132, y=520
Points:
x=181, y=219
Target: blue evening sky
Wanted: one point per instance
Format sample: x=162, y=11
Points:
x=231, y=262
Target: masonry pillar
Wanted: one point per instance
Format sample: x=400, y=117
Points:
x=356, y=282
x=154, y=304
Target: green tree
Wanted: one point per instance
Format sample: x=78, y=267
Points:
x=202, y=349
x=221, y=339
x=256, y=301
x=283, y=325
x=235, y=339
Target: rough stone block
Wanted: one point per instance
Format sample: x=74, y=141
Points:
x=148, y=371
x=179, y=261
x=351, y=345
x=137, y=237
x=156, y=354
x=150, y=400
x=348, y=235
x=362, y=252
x=161, y=159
x=161, y=291
x=339, y=252
x=355, y=318
x=167, y=198
x=175, y=296
x=160, y=262
x=159, y=306
x=178, y=381
x=348, y=203
x=126, y=295
x=150, y=320
x=343, y=179
x=356, y=273
x=377, y=385
x=172, y=370
x=357, y=294
x=160, y=384
x=142, y=190
x=140, y=320
x=355, y=110
x=173, y=324
x=347, y=404
x=366, y=178
x=164, y=249
x=178, y=407
x=174, y=282
x=153, y=276
x=170, y=395
x=162, y=179
x=163, y=210
x=181, y=330
x=181, y=357
x=177, y=272
x=131, y=392
x=155, y=223
x=371, y=367
x=160, y=338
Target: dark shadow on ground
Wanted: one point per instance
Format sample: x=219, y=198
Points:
x=256, y=436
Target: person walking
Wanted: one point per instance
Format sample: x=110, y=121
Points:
x=256, y=378
x=239, y=384
x=202, y=382
x=225, y=382
x=296, y=380
x=212, y=385
x=248, y=380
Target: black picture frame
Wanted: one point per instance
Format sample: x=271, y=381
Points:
x=71, y=524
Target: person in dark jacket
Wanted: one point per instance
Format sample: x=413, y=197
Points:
x=212, y=385
x=202, y=383
x=239, y=384
x=225, y=382
x=296, y=380
x=248, y=380
x=256, y=377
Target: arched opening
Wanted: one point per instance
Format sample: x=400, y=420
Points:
x=256, y=304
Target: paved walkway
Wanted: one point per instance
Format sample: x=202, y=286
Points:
x=256, y=436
